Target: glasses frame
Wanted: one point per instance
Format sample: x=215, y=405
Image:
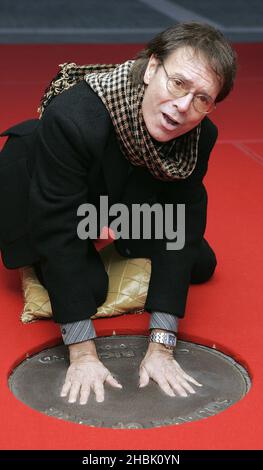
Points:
x=169, y=79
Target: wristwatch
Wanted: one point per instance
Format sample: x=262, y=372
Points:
x=168, y=339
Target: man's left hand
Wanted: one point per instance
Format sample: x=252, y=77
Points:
x=160, y=365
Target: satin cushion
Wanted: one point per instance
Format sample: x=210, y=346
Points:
x=128, y=287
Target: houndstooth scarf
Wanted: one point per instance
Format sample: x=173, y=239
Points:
x=169, y=161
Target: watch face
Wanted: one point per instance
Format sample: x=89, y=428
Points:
x=171, y=340
x=167, y=339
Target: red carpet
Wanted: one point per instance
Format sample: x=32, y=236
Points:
x=225, y=313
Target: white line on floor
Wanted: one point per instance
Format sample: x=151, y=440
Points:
x=178, y=13
x=250, y=153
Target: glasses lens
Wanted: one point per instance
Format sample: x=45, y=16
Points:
x=175, y=87
x=203, y=104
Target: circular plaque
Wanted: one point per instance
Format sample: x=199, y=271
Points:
x=37, y=381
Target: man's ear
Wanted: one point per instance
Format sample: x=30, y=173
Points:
x=150, y=69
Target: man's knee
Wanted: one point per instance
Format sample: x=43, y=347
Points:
x=205, y=266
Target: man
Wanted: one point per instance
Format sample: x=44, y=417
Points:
x=137, y=132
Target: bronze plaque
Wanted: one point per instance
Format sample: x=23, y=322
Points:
x=37, y=381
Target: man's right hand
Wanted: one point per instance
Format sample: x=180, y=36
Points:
x=85, y=373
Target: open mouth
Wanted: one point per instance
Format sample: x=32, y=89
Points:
x=170, y=121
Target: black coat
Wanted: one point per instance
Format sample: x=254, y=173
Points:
x=49, y=167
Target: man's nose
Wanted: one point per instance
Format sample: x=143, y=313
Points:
x=183, y=104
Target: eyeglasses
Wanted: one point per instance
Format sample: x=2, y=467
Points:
x=202, y=103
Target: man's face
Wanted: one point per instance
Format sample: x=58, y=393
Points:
x=159, y=106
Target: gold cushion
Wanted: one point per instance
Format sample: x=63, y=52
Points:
x=128, y=287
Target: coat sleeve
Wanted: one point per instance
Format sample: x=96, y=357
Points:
x=72, y=270
x=171, y=269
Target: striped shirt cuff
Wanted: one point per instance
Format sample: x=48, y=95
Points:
x=78, y=331
x=83, y=330
x=164, y=321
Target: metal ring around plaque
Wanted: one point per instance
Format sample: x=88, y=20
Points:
x=37, y=382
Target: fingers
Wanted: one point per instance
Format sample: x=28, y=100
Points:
x=144, y=377
x=113, y=382
x=75, y=387
x=170, y=377
x=74, y=392
x=164, y=385
x=99, y=391
x=65, y=389
x=84, y=395
x=169, y=385
x=191, y=379
x=180, y=385
x=179, y=389
x=187, y=386
x=186, y=376
x=99, y=388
